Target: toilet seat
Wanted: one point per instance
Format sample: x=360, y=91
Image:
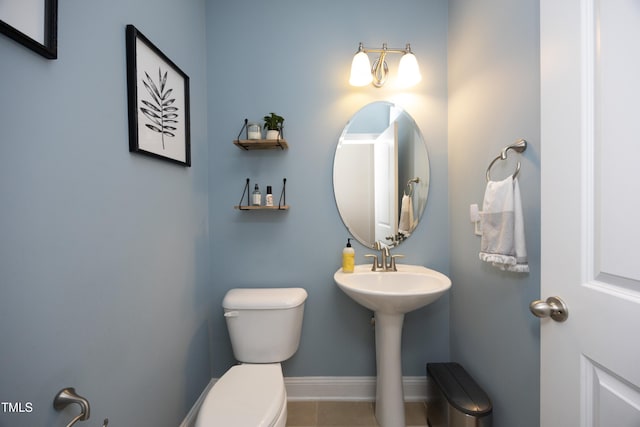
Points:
x=248, y=395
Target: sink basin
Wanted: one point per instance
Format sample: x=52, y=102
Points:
x=393, y=292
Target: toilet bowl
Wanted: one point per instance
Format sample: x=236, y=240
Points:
x=246, y=395
x=264, y=327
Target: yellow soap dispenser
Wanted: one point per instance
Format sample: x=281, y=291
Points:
x=348, y=258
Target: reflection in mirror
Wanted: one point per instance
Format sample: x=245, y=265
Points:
x=381, y=174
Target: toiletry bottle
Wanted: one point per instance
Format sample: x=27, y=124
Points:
x=268, y=200
x=256, y=199
x=348, y=258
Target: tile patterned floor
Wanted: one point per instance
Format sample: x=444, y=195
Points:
x=347, y=414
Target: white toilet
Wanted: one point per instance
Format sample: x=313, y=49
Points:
x=264, y=326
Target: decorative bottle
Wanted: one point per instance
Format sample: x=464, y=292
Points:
x=256, y=197
x=268, y=201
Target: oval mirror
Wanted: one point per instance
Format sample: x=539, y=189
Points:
x=381, y=174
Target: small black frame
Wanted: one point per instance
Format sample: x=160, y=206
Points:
x=11, y=24
x=158, y=101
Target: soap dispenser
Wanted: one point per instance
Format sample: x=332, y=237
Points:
x=348, y=258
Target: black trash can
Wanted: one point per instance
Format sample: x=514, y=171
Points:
x=454, y=398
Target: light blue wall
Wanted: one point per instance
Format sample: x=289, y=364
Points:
x=293, y=58
x=103, y=254
x=494, y=98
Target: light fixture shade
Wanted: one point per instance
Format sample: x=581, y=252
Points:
x=408, y=70
x=360, y=70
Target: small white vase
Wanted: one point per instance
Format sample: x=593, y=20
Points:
x=273, y=134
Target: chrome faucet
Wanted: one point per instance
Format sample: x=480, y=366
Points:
x=388, y=262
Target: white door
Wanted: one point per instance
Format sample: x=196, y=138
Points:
x=590, y=160
x=385, y=177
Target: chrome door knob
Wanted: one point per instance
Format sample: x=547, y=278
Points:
x=553, y=307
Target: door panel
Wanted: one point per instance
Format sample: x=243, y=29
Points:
x=617, y=87
x=612, y=399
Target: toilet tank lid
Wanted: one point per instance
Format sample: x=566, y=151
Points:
x=263, y=298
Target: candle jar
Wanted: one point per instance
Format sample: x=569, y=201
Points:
x=254, y=131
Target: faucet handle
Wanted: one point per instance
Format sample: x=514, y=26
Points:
x=393, y=261
x=374, y=267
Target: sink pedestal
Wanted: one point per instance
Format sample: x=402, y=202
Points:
x=389, y=391
x=390, y=295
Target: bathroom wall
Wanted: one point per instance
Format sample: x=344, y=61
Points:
x=494, y=99
x=103, y=253
x=294, y=58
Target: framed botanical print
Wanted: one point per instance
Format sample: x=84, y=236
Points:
x=158, y=101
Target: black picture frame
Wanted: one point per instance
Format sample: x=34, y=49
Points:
x=158, y=102
x=22, y=27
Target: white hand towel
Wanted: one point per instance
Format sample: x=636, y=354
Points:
x=503, y=237
x=406, y=216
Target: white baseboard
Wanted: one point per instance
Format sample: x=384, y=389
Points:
x=328, y=388
x=348, y=388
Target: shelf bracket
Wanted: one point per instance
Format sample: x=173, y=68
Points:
x=283, y=194
x=246, y=190
x=244, y=128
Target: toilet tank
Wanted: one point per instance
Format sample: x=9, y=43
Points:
x=264, y=324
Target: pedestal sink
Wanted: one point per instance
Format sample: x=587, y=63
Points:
x=391, y=294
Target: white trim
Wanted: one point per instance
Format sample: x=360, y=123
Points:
x=328, y=388
x=348, y=388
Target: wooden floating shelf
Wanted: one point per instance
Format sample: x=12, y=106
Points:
x=262, y=208
x=261, y=144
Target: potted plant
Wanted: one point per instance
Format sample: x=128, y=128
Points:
x=273, y=124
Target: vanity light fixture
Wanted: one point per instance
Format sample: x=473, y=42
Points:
x=362, y=73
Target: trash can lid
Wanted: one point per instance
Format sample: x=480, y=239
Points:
x=459, y=388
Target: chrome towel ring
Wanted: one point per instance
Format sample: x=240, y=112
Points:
x=410, y=186
x=519, y=146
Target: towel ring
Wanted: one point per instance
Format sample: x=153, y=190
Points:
x=410, y=186
x=519, y=146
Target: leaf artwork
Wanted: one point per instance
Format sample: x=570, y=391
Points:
x=160, y=110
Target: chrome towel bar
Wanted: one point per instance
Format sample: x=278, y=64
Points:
x=66, y=397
